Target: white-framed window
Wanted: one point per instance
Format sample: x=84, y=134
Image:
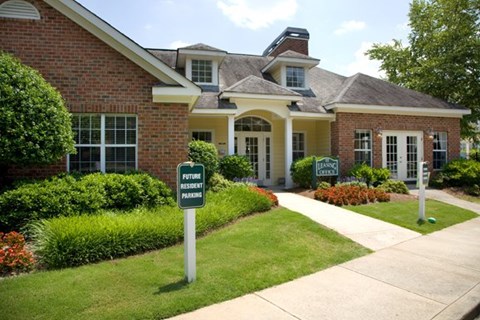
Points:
x=298, y=145
x=104, y=142
x=202, y=71
x=206, y=136
x=295, y=77
x=439, y=150
x=363, y=146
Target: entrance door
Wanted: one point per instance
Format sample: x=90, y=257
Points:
x=256, y=146
x=402, y=150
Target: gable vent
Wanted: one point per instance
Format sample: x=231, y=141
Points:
x=19, y=9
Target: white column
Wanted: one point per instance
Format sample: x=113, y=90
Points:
x=231, y=134
x=288, y=152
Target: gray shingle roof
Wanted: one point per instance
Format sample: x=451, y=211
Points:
x=255, y=85
x=242, y=73
x=366, y=90
x=201, y=46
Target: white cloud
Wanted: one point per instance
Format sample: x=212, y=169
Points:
x=254, y=14
x=349, y=26
x=363, y=64
x=178, y=44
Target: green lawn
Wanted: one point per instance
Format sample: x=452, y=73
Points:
x=405, y=214
x=255, y=253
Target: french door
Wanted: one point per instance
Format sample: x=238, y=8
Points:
x=256, y=146
x=401, y=152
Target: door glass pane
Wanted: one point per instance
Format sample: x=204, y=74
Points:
x=251, y=151
x=392, y=156
x=412, y=157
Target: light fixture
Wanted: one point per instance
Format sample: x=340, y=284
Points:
x=378, y=132
x=430, y=133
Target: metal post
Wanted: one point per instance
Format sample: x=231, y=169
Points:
x=189, y=245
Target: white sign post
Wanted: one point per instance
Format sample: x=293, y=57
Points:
x=190, y=195
x=422, y=181
x=190, y=255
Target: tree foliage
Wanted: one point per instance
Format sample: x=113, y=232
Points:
x=443, y=55
x=35, y=126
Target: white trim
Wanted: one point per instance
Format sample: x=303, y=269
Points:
x=121, y=43
x=295, y=62
x=288, y=152
x=188, y=71
x=214, y=112
x=175, y=95
x=259, y=96
x=320, y=116
x=231, y=134
x=413, y=111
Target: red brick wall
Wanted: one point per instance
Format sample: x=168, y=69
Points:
x=93, y=77
x=343, y=133
x=297, y=45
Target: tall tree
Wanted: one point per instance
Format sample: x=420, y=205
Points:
x=35, y=126
x=443, y=55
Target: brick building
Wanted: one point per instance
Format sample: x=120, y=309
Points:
x=137, y=109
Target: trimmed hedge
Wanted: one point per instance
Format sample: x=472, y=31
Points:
x=66, y=196
x=236, y=166
x=301, y=171
x=395, y=186
x=77, y=240
x=204, y=153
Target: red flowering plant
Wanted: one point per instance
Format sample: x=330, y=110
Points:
x=347, y=194
x=14, y=257
x=267, y=193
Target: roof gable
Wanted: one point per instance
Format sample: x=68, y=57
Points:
x=256, y=85
x=124, y=45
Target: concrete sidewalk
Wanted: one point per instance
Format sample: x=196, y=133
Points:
x=369, y=232
x=442, y=196
x=436, y=276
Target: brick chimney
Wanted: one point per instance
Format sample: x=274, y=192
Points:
x=295, y=39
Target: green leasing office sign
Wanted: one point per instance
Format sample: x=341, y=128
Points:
x=190, y=185
x=324, y=167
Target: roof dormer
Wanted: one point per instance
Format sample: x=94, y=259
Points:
x=290, y=69
x=201, y=63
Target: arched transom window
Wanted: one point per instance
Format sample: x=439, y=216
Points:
x=252, y=124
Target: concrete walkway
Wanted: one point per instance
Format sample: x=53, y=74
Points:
x=436, y=276
x=442, y=196
x=369, y=232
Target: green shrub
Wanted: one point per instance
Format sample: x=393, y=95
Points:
x=473, y=190
x=371, y=176
x=235, y=166
x=204, y=153
x=461, y=172
x=218, y=183
x=395, y=186
x=68, y=195
x=324, y=185
x=380, y=175
x=301, y=171
x=72, y=241
x=363, y=172
x=35, y=125
x=474, y=154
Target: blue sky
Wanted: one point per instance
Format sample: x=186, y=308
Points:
x=340, y=30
